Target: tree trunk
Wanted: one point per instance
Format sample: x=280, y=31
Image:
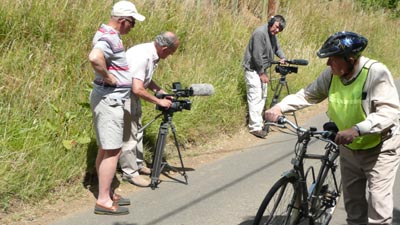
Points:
x=273, y=6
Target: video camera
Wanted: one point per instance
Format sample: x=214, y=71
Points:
x=178, y=91
x=284, y=70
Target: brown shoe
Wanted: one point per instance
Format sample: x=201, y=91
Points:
x=259, y=133
x=137, y=180
x=121, y=201
x=113, y=210
x=145, y=170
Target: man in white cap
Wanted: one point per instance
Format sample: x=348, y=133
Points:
x=126, y=9
x=112, y=86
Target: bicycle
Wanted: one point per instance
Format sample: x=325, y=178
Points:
x=299, y=197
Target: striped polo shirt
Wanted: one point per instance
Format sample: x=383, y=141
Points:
x=109, y=41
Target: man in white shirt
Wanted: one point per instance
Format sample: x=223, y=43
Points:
x=142, y=61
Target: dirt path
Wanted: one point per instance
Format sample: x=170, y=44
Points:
x=70, y=201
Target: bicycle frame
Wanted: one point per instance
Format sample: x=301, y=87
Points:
x=314, y=200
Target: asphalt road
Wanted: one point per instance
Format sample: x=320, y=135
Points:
x=225, y=192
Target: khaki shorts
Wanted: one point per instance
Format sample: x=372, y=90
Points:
x=108, y=119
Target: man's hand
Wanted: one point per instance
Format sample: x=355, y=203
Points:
x=110, y=79
x=346, y=136
x=165, y=103
x=264, y=78
x=98, y=62
x=273, y=113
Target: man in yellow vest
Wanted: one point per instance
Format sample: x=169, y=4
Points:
x=364, y=103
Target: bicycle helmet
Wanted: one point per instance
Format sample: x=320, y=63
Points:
x=344, y=43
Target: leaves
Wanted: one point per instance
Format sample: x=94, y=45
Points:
x=70, y=144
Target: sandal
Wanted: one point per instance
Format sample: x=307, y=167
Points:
x=113, y=210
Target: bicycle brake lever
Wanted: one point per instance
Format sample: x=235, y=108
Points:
x=280, y=125
x=275, y=124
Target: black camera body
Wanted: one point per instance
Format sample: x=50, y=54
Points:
x=283, y=70
x=177, y=104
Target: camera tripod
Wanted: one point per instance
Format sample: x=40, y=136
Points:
x=158, y=164
x=277, y=91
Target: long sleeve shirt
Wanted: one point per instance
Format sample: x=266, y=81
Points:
x=261, y=49
x=381, y=103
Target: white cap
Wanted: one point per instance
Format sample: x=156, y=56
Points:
x=126, y=8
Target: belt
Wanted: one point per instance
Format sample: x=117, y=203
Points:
x=102, y=83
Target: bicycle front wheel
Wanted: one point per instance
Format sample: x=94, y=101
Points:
x=281, y=205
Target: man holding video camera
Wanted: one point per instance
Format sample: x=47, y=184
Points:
x=259, y=54
x=142, y=60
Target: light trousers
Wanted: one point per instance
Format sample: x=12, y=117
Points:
x=256, y=97
x=131, y=159
x=368, y=177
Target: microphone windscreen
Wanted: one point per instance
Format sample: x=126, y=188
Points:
x=202, y=89
x=301, y=62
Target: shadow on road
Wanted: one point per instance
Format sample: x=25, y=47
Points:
x=247, y=222
x=396, y=219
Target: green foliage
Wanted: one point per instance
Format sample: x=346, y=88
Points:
x=393, y=6
x=46, y=138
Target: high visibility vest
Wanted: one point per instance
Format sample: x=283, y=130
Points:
x=345, y=107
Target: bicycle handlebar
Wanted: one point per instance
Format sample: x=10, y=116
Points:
x=282, y=120
x=327, y=135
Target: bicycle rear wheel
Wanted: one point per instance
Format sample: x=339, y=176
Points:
x=281, y=204
x=329, y=192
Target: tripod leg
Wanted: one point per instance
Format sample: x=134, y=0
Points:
x=293, y=113
x=179, y=153
x=157, y=159
x=278, y=91
x=275, y=99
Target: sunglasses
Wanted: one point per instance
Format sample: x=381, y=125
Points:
x=131, y=22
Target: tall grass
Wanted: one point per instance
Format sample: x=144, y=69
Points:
x=46, y=138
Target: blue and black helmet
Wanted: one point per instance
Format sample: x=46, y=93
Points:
x=344, y=43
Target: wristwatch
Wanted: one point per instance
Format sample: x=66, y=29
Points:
x=357, y=129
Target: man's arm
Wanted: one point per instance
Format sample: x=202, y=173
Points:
x=258, y=44
x=139, y=90
x=383, y=101
x=155, y=88
x=314, y=93
x=98, y=61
